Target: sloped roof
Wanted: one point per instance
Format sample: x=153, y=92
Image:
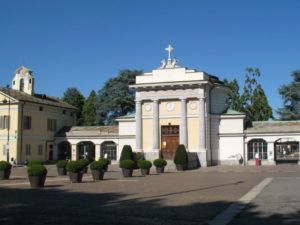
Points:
x=88, y=131
x=128, y=116
x=36, y=98
x=274, y=127
x=233, y=112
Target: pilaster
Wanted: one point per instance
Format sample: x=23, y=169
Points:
x=138, y=119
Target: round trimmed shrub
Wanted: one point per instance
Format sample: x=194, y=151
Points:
x=34, y=162
x=36, y=170
x=160, y=162
x=74, y=166
x=145, y=164
x=126, y=153
x=84, y=162
x=104, y=161
x=180, y=155
x=97, y=165
x=127, y=164
x=61, y=164
x=5, y=165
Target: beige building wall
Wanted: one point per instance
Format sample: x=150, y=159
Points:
x=147, y=134
x=163, y=107
x=193, y=133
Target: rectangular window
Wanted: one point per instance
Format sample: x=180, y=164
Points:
x=4, y=150
x=28, y=149
x=4, y=122
x=27, y=122
x=51, y=124
x=40, y=149
x=41, y=108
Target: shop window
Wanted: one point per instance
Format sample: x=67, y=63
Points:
x=257, y=146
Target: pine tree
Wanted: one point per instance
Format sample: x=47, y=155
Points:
x=89, y=110
x=291, y=98
x=234, y=99
x=116, y=98
x=75, y=98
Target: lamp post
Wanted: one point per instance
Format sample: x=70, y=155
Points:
x=8, y=127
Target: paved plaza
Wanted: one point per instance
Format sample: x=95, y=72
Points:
x=189, y=197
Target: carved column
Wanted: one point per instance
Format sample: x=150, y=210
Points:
x=183, y=126
x=155, y=125
x=202, y=125
x=138, y=121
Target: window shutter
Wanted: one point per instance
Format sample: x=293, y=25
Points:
x=1, y=122
x=7, y=122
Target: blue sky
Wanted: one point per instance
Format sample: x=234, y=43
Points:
x=84, y=43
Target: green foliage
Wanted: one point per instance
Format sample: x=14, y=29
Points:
x=74, y=166
x=34, y=162
x=105, y=161
x=127, y=164
x=180, y=155
x=144, y=164
x=160, y=162
x=290, y=95
x=89, y=110
x=61, y=164
x=116, y=98
x=84, y=162
x=126, y=153
x=5, y=165
x=36, y=170
x=253, y=102
x=97, y=165
x=75, y=98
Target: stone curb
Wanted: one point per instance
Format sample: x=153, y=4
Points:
x=235, y=208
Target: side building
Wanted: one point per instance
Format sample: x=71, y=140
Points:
x=28, y=121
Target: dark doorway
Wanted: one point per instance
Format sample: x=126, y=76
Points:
x=169, y=141
x=64, y=151
x=86, y=149
x=109, y=150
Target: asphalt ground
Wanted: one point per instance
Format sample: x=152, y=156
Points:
x=189, y=197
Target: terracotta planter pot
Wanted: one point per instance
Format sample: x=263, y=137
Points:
x=180, y=167
x=4, y=174
x=127, y=172
x=160, y=169
x=145, y=172
x=97, y=175
x=75, y=177
x=61, y=171
x=37, y=181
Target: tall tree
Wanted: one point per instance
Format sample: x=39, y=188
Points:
x=116, y=98
x=75, y=98
x=89, y=110
x=290, y=95
x=253, y=101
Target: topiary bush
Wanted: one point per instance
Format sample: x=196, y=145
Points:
x=36, y=170
x=145, y=164
x=84, y=162
x=160, y=162
x=97, y=165
x=180, y=155
x=74, y=166
x=34, y=162
x=61, y=164
x=5, y=165
x=104, y=161
x=127, y=164
x=126, y=153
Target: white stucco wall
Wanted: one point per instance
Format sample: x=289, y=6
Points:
x=127, y=127
x=231, y=124
x=231, y=148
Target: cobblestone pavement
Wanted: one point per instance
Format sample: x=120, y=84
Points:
x=189, y=197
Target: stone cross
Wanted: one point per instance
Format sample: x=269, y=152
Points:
x=169, y=49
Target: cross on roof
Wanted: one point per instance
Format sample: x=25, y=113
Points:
x=169, y=49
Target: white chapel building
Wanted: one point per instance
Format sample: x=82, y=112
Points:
x=176, y=105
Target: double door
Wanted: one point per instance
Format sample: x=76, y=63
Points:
x=169, y=141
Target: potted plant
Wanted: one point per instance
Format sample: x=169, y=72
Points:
x=37, y=175
x=75, y=171
x=126, y=153
x=160, y=165
x=84, y=163
x=98, y=169
x=105, y=162
x=145, y=166
x=61, y=167
x=127, y=166
x=34, y=162
x=180, y=158
x=5, y=169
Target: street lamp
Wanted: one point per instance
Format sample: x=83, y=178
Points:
x=8, y=127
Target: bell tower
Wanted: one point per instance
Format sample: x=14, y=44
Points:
x=23, y=80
